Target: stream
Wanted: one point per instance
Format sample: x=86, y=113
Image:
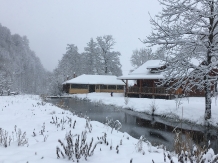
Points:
x=158, y=130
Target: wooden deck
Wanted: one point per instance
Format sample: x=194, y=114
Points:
x=149, y=90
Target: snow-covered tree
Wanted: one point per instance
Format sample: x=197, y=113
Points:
x=110, y=61
x=20, y=69
x=55, y=85
x=187, y=30
x=91, y=58
x=141, y=56
x=70, y=64
x=98, y=58
x=159, y=54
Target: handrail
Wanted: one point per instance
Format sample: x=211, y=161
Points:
x=150, y=90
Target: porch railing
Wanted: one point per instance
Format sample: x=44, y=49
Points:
x=148, y=90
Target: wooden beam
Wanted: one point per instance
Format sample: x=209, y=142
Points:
x=123, y=81
x=153, y=87
x=126, y=90
x=153, y=90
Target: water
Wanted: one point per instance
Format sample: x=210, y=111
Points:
x=157, y=130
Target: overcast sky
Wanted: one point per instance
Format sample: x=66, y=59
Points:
x=52, y=24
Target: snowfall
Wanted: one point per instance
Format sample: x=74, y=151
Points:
x=31, y=130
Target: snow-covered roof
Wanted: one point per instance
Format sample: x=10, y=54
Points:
x=95, y=79
x=143, y=71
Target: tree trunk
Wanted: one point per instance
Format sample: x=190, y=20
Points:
x=215, y=87
x=106, y=70
x=207, y=101
x=208, y=62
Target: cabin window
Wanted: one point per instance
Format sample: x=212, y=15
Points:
x=112, y=87
x=120, y=87
x=79, y=86
x=103, y=86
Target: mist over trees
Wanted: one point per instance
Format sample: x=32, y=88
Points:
x=98, y=58
x=20, y=69
x=188, y=30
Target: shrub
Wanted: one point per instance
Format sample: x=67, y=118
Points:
x=113, y=124
x=21, y=138
x=5, y=139
x=153, y=107
x=78, y=149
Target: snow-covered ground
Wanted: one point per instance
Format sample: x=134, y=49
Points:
x=29, y=114
x=191, y=109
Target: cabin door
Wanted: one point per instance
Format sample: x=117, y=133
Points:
x=91, y=88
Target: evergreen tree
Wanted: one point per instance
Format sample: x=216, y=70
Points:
x=91, y=57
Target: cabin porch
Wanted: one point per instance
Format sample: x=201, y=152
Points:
x=88, y=88
x=148, y=88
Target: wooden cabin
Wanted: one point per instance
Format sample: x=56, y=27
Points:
x=93, y=83
x=146, y=78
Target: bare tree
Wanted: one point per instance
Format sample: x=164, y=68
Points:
x=187, y=30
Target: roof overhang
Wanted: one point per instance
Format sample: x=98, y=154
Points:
x=90, y=83
x=135, y=77
x=95, y=80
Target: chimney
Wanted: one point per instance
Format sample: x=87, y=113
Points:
x=74, y=75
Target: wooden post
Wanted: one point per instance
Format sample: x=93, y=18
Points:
x=153, y=90
x=140, y=91
x=88, y=89
x=126, y=91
